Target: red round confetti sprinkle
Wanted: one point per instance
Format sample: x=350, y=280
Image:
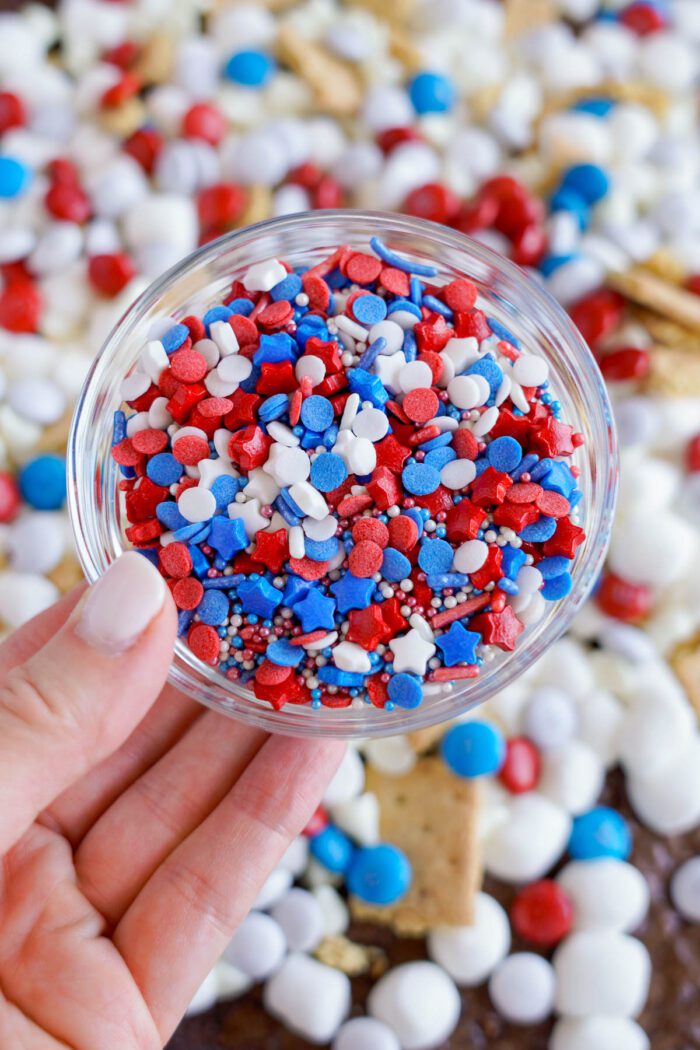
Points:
x=371, y=529
x=212, y=407
x=188, y=593
x=363, y=269
x=10, y=499
x=420, y=405
x=125, y=454
x=396, y=282
x=520, y=771
x=626, y=363
x=272, y=674
x=20, y=307
x=245, y=330
x=190, y=450
x=188, y=366
x=309, y=569
x=434, y=363
x=524, y=492
x=204, y=642
x=276, y=314
x=465, y=444
x=460, y=294
x=149, y=442
x=176, y=560
x=110, y=273
x=553, y=504
x=542, y=913
x=365, y=559
x=629, y=602
x=67, y=201
x=692, y=454
x=204, y=121
x=318, y=292
x=403, y=533
x=12, y=111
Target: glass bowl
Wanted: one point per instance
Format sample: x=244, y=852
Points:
x=506, y=292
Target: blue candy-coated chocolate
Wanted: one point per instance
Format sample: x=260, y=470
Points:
x=379, y=875
x=599, y=833
x=473, y=749
x=332, y=848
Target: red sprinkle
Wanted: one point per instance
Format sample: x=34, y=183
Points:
x=149, y=442
x=204, y=642
x=553, y=504
x=188, y=593
x=460, y=294
x=190, y=450
x=363, y=269
x=371, y=529
x=188, y=366
x=176, y=560
x=421, y=405
x=403, y=533
x=365, y=559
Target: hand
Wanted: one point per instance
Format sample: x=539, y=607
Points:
x=135, y=828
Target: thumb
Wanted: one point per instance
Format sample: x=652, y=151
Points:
x=78, y=698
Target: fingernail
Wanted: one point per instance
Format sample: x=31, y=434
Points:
x=119, y=607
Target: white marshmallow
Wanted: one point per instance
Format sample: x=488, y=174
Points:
x=601, y=972
x=522, y=988
x=607, y=894
x=311, y=999
x=419, y=1002
x=258, y=946
x=471, y=953
x=529, y=841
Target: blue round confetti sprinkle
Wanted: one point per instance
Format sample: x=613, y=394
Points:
x=405, y=691
x=250, y=68
x=168, y=514
x=217, y=313
x=273, y=408
x=557, y=587
x=395, y=565
x=419, y=479
x=601, y=832
x=369, y=309
x=241, y=306
x=321, y=550
x=175, y=337
x=316, y=413
x=163, y=469
x=504, y=454
x=213, y=608
x=492, y=373
x=379, y=874
x=284, y=654
x=42, y=482
x=554, y=566
x=328, y=471
x=332, y=848
x=539, y=531
x=439, y=457
x=431, y=93
x=588, y=180
x=14, y=177
x=473, y=749
x=288, y=288
x=435, y=556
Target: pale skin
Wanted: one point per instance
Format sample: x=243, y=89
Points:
x=136, y=829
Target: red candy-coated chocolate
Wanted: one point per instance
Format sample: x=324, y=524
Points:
x=629, y=602
x=204, y=642
x=521, y=768
x=643, y=19
x=434, y=202
x=542, y=913
x=692, y=454
x=12, y=111
x=110, y=273
x=371, y=529
x=365, y=559
x=221, y=204
x=176, y=560
x=626, y=363
x=317, y=823
x=128, y=85
x=188, y=592
x=597, y=315
x=10, y=499
x=204, y=121
x=144, y=146
x=20, y=307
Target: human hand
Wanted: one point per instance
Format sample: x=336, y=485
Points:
x=135, y=828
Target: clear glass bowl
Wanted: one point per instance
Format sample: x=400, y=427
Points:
x=202, y=280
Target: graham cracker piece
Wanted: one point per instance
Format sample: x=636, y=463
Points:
x=155, y=63
x=404, y=50
x=433, y=816
x=666, y=266
x=685, y=661
x=335, y=84
x=667, y=333
x=673, y=373
x=55, y=437
x=352, y=958
x=398, y=12
x=658, y=295
x=525, y=15
x=125, y=119
x=258, y=206
x=67, y=574
x=423, y=740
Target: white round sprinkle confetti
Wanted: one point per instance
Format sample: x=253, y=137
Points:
x=393, y=333
x=133, y=386
x=530, y=370
x=310, y=367
x=458, y=474
x=416, y=375
x=263, y=276
x=320, y=530
x=197, y=504
x=371, y=424
x=470, y=556
x=522, y=988
x=234, y=369
x=463, y=392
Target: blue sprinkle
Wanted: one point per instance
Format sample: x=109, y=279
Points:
x=596, y=107
x=287, y=513
x=330, y=436
x=218, y=583
x=321, y=550
x=317, y=413
x=379, y=874
x=416, y=291
x=542, y=469
x=328, y=471
x=554, y=566
x=283, y=653
x=508, y=586
x=316, y=611
x=184, y=618
x=295, y=589
x=368, y=386
x=441, y=441
x=431, y=93
x=439, y=581
x=526, y=464
x=420, y=479
x=588, y=180
x=242, y=307
x=200, y=565
x=250, y=68
x=410, y=346
x=404, y=306
x=369, y=309
x=416, y=515
x=163, y=469
x=189, y=531
x=334, y=676
x=118, y=427
x=227, y=536
x=213, y=608
x=559, y=479
x=288, y=288
x=440, y=457
x=273, y=408
x=395, y=565
x=217, y=313
x=259, y=597
x=550, y=263
x=399, y=262
x=492, y=373
x=14, y=177
x=372, y=353
x=512, y=561
x=557, y=588
x=473, y=749
x=502, y=332
x=175, y=337
x=504, y=454
x=42, y=482
x=601, y=832
x=435, y=556
x=539, y=531
x=437, y=307
x=332, y=848
x=405, y=691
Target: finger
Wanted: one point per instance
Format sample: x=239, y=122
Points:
x=34, y=634
x=75, y=811
x=160, y=810
x=78, y=698
x=182, y=920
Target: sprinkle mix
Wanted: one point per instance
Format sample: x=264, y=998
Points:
x=354, y=480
